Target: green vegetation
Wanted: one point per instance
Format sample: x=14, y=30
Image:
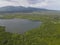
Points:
x=47, y=34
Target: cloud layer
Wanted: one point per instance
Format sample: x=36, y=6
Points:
x=50, y=4
x=26, y=3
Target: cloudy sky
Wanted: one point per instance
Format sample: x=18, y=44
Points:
x=49, y=4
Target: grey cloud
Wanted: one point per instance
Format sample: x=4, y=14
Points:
x=7, y=0
x=14, y=1
x=26, y=3
x=34, y=1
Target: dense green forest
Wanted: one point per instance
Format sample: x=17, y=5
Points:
x=47, y=34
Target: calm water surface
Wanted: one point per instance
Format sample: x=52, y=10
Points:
x=19, y=25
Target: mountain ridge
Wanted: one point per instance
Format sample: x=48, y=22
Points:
x=12, y=9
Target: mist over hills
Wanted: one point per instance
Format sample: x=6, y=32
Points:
x=14, y=9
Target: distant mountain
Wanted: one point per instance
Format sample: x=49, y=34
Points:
x=13, y=9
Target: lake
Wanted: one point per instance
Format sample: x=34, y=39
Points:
x=19, y=25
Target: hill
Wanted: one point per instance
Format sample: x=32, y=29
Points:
x=14, y=9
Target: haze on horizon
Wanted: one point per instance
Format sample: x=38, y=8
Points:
x=48, y=4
